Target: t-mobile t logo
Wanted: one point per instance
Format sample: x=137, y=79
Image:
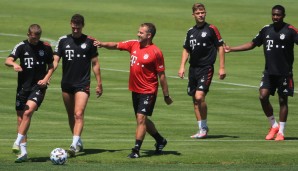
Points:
x=28, y=62
x=69, y=54
x=193, y=43
x=269, y=44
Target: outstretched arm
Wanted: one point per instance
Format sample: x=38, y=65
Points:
x=108, y=45
x=244, y=47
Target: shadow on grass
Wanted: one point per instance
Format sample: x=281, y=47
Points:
x=151, y=153
x=221, y=136
x=85, y=152
x=291, y=138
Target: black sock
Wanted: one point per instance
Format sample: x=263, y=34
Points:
x=157, y=137
x=138, y=144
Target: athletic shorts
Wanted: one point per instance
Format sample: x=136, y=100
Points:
x=36, y=94
x=283, y=84
x=199, y=79
x=143, y=103
x=74, y=89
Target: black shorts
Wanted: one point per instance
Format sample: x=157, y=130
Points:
x=199, y=79
x=36, y=94
x=283, y=84
x=74, y=89
x=143, y=103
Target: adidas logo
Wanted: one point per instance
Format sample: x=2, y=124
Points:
x=67, y=46
x=35, y=98
x=26, y=53
x=201, y=87
x=285, y=91
x=134, y=52
x=143, y=110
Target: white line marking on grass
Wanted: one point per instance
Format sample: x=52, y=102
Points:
x=130, y=140
x=52, y=42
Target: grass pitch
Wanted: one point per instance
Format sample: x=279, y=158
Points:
x=237, y=123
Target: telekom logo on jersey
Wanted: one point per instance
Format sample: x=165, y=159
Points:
x=69, y=54
x=28, y=62
x=269, y=44
x=133, y=60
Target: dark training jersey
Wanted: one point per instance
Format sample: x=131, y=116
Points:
x=33, y=60
x=76, y=54
x=278, y=48
x=202, y=43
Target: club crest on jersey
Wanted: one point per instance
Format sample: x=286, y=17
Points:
x=146, y=56
x=83, y=46
x=282, y=36
x=41, y=53
x=204, y=34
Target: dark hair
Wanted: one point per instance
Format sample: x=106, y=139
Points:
x=197, y=6
x=151, y=28
x=77, y=19
x=34, y=28
x=281, y=8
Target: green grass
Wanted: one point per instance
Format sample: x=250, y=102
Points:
x=237, y=123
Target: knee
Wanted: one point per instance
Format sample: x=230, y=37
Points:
x=141, y=119
x=79, y=116
x=263, y=97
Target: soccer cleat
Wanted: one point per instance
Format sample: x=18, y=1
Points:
x=201, y=134
x=160, y=146
x=71, y=152
x=271, y=133
x=15, y=148
x=134, y=154
x=279, y=137
x=21, y=158
x=79, y=148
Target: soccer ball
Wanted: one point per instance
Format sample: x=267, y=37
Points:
x=58, y=156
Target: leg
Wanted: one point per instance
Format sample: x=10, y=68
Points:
x=75, y=105
x=161, y=142
x=283, y=115
x=69, y=106
x=268, y=110
x=283, y=104
x=200, y=108
x=24, y=120
x=266, y=105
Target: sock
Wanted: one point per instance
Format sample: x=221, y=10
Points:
x=281, y=127
x=157, y=137
x=75, y=140
x=19, y=139
x=204, y=123
x=200, y=124
x=138, y=144
x=272, y=121
x=80, y=142
x=23, y=147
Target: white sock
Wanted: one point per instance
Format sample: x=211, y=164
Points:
x=281, y=127
x=23, y=147
x=75, y=140
x=204, y=123
x=80, y=142
x=19, y=139
x=272, y=121
x=199, y=124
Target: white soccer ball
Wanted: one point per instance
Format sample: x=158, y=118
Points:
x=58, y=156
